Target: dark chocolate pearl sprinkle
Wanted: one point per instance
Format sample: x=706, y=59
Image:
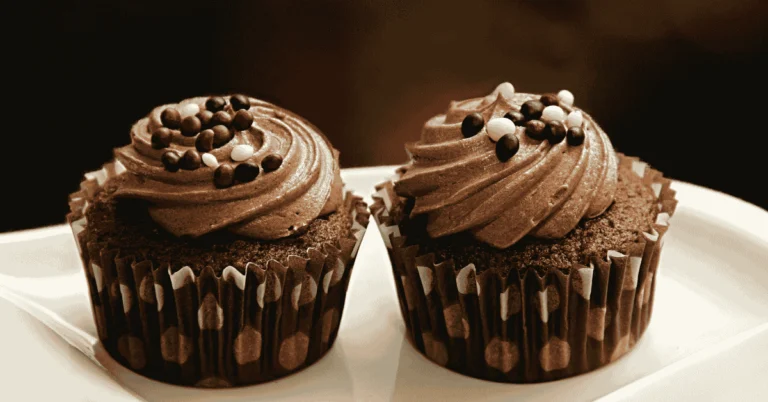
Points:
x=472, y=125
x=204, y=141
x=532, y=110
x=242, y=121
x=161, y=138
x=555, y=132
x=535, y=129
x=215, y=103
x=170, y=160
x=549, y=100
x=205, y=117
x=507, y=146
x=575, y=136
x=191, y=160
x=190, y=126
x=221, y=135
x=221, y=117
x=246, y=172
x=240, y=102
x=171, y=118
x=224, y=176
x=271, y=162
x=516, y=118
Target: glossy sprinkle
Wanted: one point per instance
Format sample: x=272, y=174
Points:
x=574, y=119
x=246, y=172
x=191, y=160
x=242, y=121
x=190, y=126
x=170, y=160
x=221, y=136
x=221, y=117
x=472, y=125
x=535, y=129
x=241, y=152
x=549, y=99
x=516, y=118
x=507, y=147
x=224, y=176
x=215, y=103
x=240, y=102
x=553, y=113
x=205, y=117
x=210, y=160
x=555, y=132
x=566, y=97
x=532, y=110
x=271, y=163
x=575, y=136
x=499, y=127
x=171, y=118
x=161, y=138
x=204, y=141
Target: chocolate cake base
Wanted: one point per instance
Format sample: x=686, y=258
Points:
x=540, y=310
x=216, y=311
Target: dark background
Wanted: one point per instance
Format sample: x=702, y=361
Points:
x=680, y=83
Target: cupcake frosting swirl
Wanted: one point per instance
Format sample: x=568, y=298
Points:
x=276, y=204
x=543, y=191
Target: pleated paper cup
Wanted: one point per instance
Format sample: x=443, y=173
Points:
x=523, y=326
x=245, y=326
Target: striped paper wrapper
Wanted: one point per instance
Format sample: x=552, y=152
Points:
x=245, y=326
x=526, y=325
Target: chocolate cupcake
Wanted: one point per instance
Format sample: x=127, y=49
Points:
x=218, y=245
x=524, y=248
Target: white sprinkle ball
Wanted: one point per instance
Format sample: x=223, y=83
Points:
x=506, y=90
x=574, y=119
x=241, y=152
x=499, y=127
x=566, y=97
x=210, y=160
x=553, y=113
x=190, y=109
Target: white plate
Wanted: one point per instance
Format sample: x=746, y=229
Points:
x=708, y=338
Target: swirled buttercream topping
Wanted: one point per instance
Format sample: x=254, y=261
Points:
x=265, y=174
x=461, y=182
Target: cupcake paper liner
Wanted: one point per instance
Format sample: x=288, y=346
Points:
x=245, y=326
x=527, y=325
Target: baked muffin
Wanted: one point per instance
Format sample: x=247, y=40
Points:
x=524, y=248
x=218, y=245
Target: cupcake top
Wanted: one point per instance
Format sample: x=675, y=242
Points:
x=234, y=163
x=509, y=165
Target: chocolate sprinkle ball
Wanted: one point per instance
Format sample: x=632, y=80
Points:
x=221, y=135
x=271, y=163
x=161, y=138
x=246, y=172
x=555, y=132
x=575, y=136
x=472, y=125
x=221, y=117
x=535, y=129
x=171, y=118
x=224, y=176
x=191, y=160
x=507, y=146
x=242, y=121
x=516, y=118
x=549, y=100
x=215, y=103
x=190, y=126
x=170, y=160
x=532, y=110
x=240, y=102
x=205, y=117
x=204, y=141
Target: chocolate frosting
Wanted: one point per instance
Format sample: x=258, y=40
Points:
x=276, y=204
x=543, y=191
